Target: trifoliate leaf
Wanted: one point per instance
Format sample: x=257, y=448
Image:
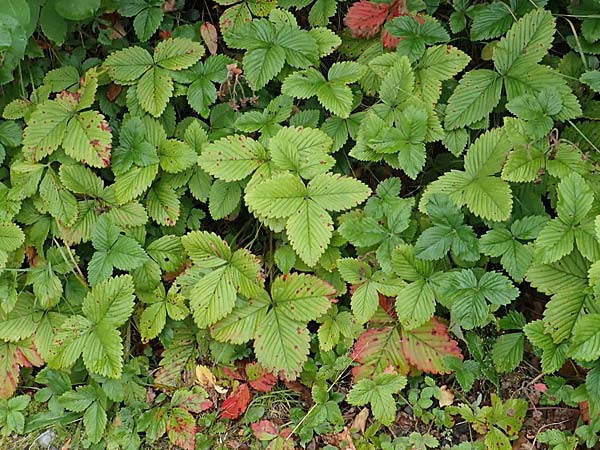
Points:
x=379, y=394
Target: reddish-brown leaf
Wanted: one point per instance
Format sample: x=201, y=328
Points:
x=234, y=374
x=364, y=18
x=113, y=92
x=237, y=402
x=265, y=430
x=427, y=346
x=377, y=349
x=181, y=429
x=13, y=356
x=209, y=35
x=260, y=378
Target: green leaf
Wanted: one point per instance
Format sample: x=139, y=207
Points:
x=302, y=150
x=592, y=79
x=46, y=127
x=415, y=34
x=11, y=237
x=154, y=89
x=129, y=64
x=337, y=193
x=232, y=158
x=76, y=10
x=586, y=338
x=108, y=306
x=575, y=199
x=468, y=295
x=527, y=42
x=282, y=343
x=177, y=53
x=563, y=312
x=223, y=198
x=309, y=230
x=110, y=302
x=88, y=138
x=113, y=250
x=147, y=22
x=554, y=355
x=476, y=95
x=415, y=304
x=95, y=420
x=507, y=352
x=213, y=297
x=491, y=21
x=60, y=203
x=81, y=180
x=379, y=394
x=301, y=297
x=163, y=204
x=176, y=156
x=277, y=197
x=448, y=233
x=134, y=183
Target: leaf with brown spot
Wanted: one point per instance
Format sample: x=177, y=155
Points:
x=181, y=429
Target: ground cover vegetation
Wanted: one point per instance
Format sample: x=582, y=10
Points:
x=281, y=224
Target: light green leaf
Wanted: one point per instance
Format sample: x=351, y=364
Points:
x=309, y=230
x=177, y=53
x=528, y=41
x=232, y=158
x=154, y=89
x=476, y=95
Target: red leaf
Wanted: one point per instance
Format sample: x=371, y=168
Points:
x=366, y=18
x=14, y=355
x=181, y=429
x=209, y=35
x=260, y=378
x=237, y=402
x=265, y=430
x=377, y=349
x=425, y=347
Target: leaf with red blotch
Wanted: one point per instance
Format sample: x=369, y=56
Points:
x=234, y=374
x=364, y=19
x=194, y=400
x=265, y=430
x=209, y=35
x=13, y=356
x=376, y=350
x=181, y=428
x=237, y=402
x=427, y=346
x=260, y=378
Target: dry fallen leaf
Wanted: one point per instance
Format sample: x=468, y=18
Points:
x=447, y=397
x=205, y=378
x=360, y=421
x=209, y=35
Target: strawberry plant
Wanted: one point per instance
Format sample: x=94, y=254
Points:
x=299, y=223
